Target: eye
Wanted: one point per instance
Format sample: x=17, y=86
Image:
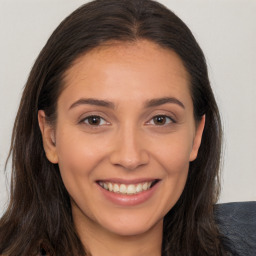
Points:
x=94, y=121
x=161, y=120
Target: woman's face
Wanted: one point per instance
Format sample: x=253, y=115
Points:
x=124, y=137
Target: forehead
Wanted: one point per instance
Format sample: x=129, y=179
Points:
x=143, y=50
x=131, y=69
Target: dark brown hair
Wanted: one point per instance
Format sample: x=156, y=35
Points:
x=39, y=213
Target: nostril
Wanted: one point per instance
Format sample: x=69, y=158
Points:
x=129, y=160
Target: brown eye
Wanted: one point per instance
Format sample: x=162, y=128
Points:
x=161, y=120
x=94, y=120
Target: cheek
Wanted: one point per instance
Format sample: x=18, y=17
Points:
x=173, y=157
x=173, y=152
x=175, y=162
x=77, y=155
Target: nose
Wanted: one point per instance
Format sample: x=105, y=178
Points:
x=130, y=150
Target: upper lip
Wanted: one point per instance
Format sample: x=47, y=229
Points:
x=126, y=181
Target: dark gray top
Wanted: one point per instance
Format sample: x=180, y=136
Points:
x=237, y=224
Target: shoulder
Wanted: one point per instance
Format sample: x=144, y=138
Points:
x=237, y=225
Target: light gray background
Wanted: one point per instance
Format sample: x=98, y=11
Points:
x=226, y=31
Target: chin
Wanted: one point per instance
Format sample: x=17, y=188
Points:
x=131, y=225
x=129, y=230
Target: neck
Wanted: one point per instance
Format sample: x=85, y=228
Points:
x=99, y=241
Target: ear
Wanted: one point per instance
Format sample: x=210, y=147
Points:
x=48, y=137
x=197, y=139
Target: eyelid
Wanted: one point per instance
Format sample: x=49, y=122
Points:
x=172, y=120
x=82, y=121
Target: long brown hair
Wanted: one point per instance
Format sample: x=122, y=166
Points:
x=39, y=212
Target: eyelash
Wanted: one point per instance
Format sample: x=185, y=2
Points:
x=171, y=120
x=86, y=120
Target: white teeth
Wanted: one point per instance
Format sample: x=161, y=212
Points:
x=126, y=189
x=110, y=187
x=138, y=188
x=145, y=186
x=131, y=189
x=116, y=188
x=122, y=189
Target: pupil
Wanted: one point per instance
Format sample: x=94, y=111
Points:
x=160, y=120
x=94, y=120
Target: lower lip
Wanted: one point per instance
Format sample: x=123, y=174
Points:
x=129, y=200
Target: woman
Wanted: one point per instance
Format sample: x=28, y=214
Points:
x=117, y=141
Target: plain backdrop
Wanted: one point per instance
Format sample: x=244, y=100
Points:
x=225, y=30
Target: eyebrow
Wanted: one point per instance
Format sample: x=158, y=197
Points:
x=162, y=101
x=95, y=102
x=108, y=104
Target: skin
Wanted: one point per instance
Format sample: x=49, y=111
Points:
x=127, y=143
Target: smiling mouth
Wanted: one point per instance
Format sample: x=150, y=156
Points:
x=127, y=189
